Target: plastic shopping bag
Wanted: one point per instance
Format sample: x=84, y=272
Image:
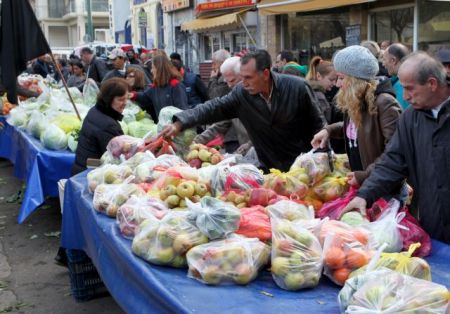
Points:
x=235, y=261
x=166, y=242
x=216, y=219
x=296, y=255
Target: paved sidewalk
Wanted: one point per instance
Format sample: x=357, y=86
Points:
x=30, y=281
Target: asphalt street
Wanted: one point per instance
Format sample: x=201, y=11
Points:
x=30, y=281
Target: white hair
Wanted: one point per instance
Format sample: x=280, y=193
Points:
x=231, y=64
x=220, y=55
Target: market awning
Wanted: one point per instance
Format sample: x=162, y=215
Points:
x=208, y=23
x=268, y=7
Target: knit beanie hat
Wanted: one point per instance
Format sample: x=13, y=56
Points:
x=356, y=61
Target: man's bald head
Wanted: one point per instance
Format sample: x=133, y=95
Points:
x=424, y=66
x=393, y=56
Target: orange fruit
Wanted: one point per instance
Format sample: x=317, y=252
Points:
x=334, y=257
x=361, y=236
x=340, y=275
x=356, y=258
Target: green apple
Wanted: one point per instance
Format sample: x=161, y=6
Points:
x=182, y=243
x=193, y=154
x=304, y=237
x=173, y=201
x=164, y=235
x=206, y=164
x=182, y=204
x=165, y=255
x=235, y=255
x=243, y=274
x=170, y=190
x=185, y=189
x=201, y=189
x=204, y=155
x=109, y=176
x=163, y=195
x=179, y=261
x=169, y=180
x=294, y=281
x=280, y=266
x=211, y=275
x=312, y=279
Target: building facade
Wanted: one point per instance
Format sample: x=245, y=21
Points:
x=147, y=23
x=322, y=27
x=64, y=22
x=119, y=21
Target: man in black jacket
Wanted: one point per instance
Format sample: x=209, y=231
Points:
x=95, y=68
x=420, y=148
x=279, y=112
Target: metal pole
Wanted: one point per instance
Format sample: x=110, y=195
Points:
x=65, y=85
x=89, y=20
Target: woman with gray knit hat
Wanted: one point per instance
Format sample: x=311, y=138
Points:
x=370, y=112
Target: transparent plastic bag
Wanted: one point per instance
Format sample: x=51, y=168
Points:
x=90, y=91
x=124, y=145
x=386, y=291
x=200, y=156
x=296, y=255
x=183, y=139
x=108, y=159
x=142, y=128
x=234, y=261
x=255, y=223
x=137, y=209
x=166, y=242
x=37, y=124
x=108, y=174
x=67, y=122
x=316, y=166
x=151, y=170
x=139, y=158
x=345, y=249
x=292, y=183
x=331, y=188
x=333, y=209
x=109, y=197
x=239, y=177
x=402, y=262
x=216, y=219
x=386, y=228
x=54, y=138
x=291, y=211
x=18, y=117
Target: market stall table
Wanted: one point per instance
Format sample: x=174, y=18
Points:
x=40, y=168
x=140, y=287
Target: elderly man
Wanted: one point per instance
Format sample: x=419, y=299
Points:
x=419, y=149
x=392, y=59
x=230, y=70
x=217, y=87
x=278, y=111
x=95, y=68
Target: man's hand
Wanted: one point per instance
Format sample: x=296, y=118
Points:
x=320, y=140
x=214, y=73
x=171, y=130
x=358, y=204
x=351, y=179
x=243, y=149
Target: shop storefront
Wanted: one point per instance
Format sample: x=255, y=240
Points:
x=229, y=25
x=322, y=27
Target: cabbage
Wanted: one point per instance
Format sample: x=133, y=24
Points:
x=141, y=128
x=18, y=117
x=72, y=140
x=67, y=122
x=353, y=218
x=37, y=124
x=124, y=127
x=54, y=138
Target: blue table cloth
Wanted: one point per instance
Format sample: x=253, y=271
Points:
x=40, y=168
x=140, y=287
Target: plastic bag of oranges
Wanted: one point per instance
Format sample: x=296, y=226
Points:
x=345, y=249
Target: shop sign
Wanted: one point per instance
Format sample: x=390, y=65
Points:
x=142, y=19
x=173, y=5
x=222, y=4
x=353, y=35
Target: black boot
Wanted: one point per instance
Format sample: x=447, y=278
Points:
x=61, y=257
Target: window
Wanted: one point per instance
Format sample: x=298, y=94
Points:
x=207, y=48
x=434, y=25
x=98, y=5
x=239, y=42
x=314, y=33
x=395, y=25
x=56, y=8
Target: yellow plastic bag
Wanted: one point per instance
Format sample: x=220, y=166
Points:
x=289, y=183
x=331, y=188
x=402, y=263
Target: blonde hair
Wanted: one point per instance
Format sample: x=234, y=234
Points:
x=357, y=96
x=318, y=65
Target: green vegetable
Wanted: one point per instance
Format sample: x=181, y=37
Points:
x=54, y=138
